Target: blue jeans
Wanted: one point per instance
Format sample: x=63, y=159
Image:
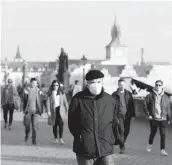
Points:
x=31, y=119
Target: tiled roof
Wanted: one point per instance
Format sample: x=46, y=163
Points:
x=142, y=70
x=52, y=64
x=31, y=64
x=114, y=70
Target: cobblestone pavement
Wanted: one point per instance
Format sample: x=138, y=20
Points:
x=14, y=151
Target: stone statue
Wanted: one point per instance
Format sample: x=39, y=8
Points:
x=63, y=65
x=115, y=34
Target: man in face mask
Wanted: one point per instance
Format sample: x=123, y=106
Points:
x=91, y=121
x=95, y=86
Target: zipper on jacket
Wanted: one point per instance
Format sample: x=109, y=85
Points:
x=95, y=111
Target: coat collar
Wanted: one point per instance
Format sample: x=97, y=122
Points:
x=118, y=92
x=156, y=93
x=89, y=95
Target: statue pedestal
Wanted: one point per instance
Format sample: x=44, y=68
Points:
x=116, y=55
x=66, y=81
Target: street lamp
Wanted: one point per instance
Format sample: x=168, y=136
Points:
x=5, y=73
x=24, y=72
x=84, y=61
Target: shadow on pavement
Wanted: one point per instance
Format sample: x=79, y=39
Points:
x=32, y=159
x=44, y=136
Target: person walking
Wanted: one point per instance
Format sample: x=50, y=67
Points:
x=91, y=120
x=9, y=92
x=57, y=109
x=32, y=108
x=157, y=109
x=126, y=111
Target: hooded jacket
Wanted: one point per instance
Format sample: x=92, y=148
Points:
x=91, y=121
x=150, y=107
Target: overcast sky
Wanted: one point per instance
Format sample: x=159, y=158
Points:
x=42, y=28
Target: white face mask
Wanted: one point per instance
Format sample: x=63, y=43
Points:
x=95, y=88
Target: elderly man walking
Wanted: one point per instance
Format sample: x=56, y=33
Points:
x=91, y=119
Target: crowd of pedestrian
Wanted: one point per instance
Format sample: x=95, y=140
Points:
x=96, y=119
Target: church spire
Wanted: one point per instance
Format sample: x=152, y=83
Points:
x=142, y=62
x=18, y=57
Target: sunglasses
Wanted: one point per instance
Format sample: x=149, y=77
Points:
x=158, y=85
x=55, y=85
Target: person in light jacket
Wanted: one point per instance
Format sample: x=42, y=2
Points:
x=32, y=108
x=57, y=108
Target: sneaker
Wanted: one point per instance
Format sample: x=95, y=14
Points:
x=149, y=148
x=34, y=142
x=164, y=153
x=122, y=150
x=61, y=141
x=9, y=127
x=26, y=138
x=5, y=126
x=56, y=141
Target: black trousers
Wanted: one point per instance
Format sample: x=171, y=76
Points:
x=123, y=130
x=154, y=124
x=105, y=160
x=8, y=108
x=31, y=119
x=58, y=122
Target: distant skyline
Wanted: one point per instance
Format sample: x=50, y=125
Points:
x=42, y=28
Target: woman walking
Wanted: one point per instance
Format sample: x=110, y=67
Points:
x=57, y=108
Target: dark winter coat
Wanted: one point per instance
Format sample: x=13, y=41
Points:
x=128, y=101
x=149, y=106
x=91, y=121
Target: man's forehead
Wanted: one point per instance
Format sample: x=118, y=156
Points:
x=121, y=82
x=95, y=80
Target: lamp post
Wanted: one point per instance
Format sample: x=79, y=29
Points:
x=84, y=61
x=24, y=72
x=5, y=73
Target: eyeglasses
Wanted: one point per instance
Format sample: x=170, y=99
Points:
x=9, y=82
x=158, y=85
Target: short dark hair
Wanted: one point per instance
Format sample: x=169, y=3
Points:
x=159, y=81
x=33, y=79
x=120, y=80
x=10, y=80
x=76, y=81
